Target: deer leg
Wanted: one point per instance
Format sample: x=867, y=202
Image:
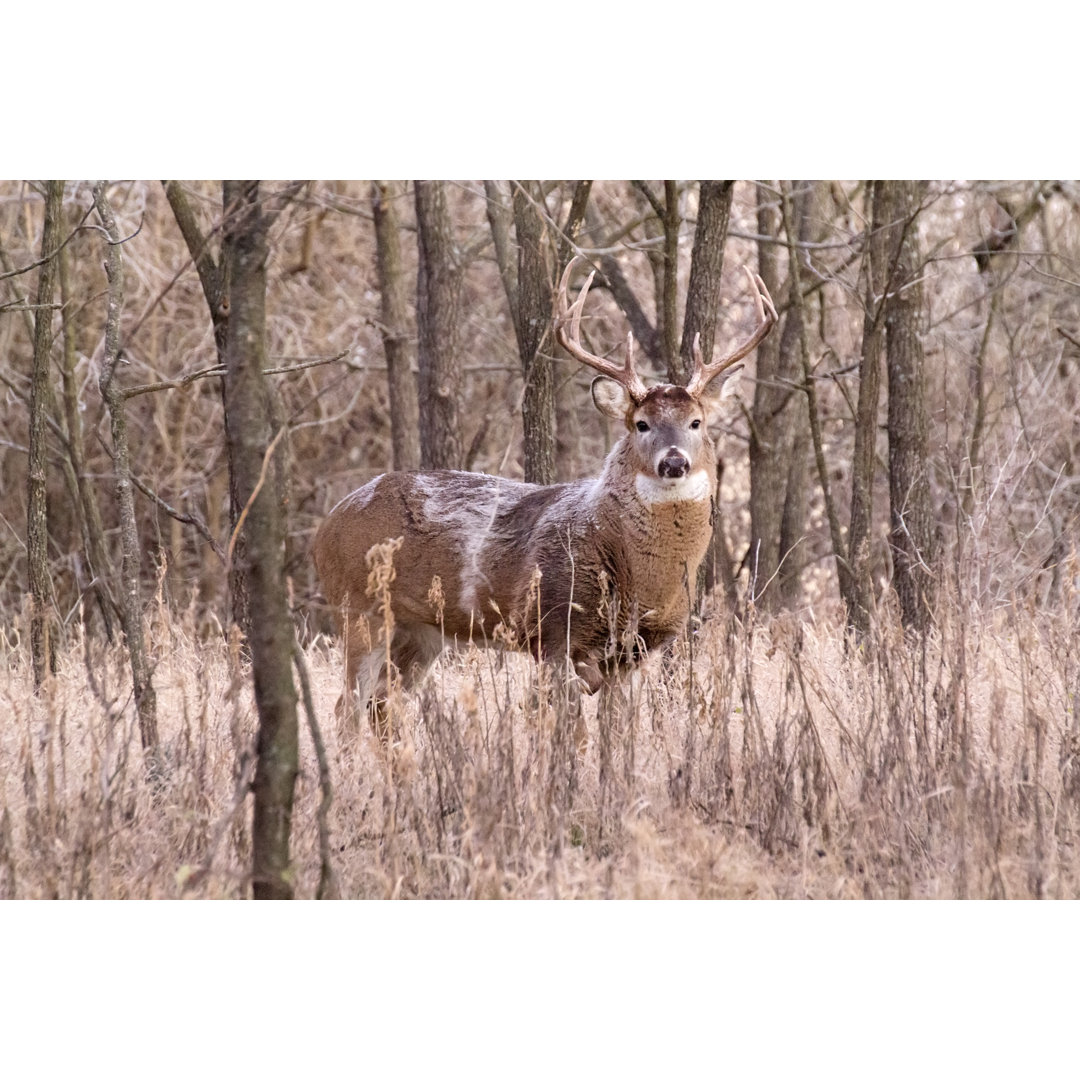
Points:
x=412, y=652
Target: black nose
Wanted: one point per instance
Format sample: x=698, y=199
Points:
x=673, y=465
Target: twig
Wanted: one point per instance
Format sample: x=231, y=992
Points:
x=218, y=370
x=187, y=519
x=56, y=251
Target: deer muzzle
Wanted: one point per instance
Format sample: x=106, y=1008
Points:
x=673, y=465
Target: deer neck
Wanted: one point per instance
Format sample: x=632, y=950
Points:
x=665, y=528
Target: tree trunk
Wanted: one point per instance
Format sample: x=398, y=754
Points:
x=500, y=215
x=401, y=382
x=568, y=465
x=532, y=323
x=130, y=601
x=774, y=405
x=213, y=277
x=912, y=532
x=702, y=308
x=438, y=294
x=42, y=643
x=706, y=268
x=252, y=442
x=95, y=551
x=857, y=587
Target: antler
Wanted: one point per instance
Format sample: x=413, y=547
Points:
x=624, y=374
x=703, y=373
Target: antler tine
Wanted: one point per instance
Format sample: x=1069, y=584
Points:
x=766, y=313
x=564, y=311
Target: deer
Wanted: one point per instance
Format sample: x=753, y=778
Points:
x=593, y=574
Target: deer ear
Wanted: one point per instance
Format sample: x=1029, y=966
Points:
x=611, y=397
x=721, y=400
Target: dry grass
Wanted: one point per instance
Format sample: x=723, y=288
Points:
x=771, y=763
x=779, y=763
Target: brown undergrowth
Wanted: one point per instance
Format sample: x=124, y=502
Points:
x=764, y=759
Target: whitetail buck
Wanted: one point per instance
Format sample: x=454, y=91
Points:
x=594, y=572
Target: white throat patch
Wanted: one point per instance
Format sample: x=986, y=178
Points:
x=691, y=488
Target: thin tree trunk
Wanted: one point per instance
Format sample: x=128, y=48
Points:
x=857, y=588
x=774, y=405
x=42, y=644
x=252, y=443
x=533, y=326
x=213, y=277
x=669, y=322
x=401, y=382
x=810, y=390
x=912, y=531
x=567, y=393
x=130, y=602
x=702, y=309
x=500, y=215
x=779, y=434
x=438, y=294
x=706, y=269
x=96, y=553
x=792, y=557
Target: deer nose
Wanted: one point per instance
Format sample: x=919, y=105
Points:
x=673, y=464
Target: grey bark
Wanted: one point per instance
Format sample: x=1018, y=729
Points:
x=42, y=623
x=856, y=588
x=438, y=298
x=532, y=323
x=401, y=381
x=500, y=215
x=251, y=443
x=912, y=531
x=702, y=310
x=706, y=268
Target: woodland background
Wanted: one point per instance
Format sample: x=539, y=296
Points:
x=884, y=698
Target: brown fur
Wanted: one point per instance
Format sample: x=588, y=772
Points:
x=590, y=574
x=617, y=554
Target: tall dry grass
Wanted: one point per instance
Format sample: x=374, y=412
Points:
x=765, y=759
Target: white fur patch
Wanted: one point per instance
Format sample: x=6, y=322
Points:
x=691, y=488
x=359, y=498
x=468, y=516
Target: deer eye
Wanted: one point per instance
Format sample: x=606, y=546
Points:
x=695, y=424
x=642, y=426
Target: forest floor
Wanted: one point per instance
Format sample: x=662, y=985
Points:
x=776, y=761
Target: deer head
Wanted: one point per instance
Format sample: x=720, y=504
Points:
x=667, y=426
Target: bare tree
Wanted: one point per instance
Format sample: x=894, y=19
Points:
x=543, y=250
x=706, y=267
x=856, y=586
x=438, y=299
x=130, y=603
x=213, y=274
x=95, y=551
x=42, y=645
x=532, y=324
x=912, y=519
x=778, y=428
x=401, y=382
x=252, y=442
